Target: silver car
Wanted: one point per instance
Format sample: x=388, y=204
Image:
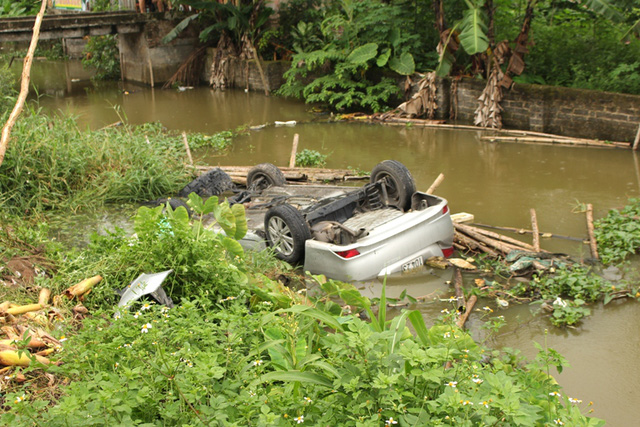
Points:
x=350, y=234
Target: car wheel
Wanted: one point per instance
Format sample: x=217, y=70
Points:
x=212, y=183
x=398, y=181
x=286, y=231
x=265, y=175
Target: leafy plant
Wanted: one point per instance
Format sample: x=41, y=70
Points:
x=219, y=141
x=310, y=158
x=361, y=42
x=101, y=53
x=618, y=234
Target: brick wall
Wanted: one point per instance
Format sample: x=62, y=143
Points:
x=562, y=111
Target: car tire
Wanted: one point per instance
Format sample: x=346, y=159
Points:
x=212, y=183
x=286, y=231
x=265, y=175
x=398, y=180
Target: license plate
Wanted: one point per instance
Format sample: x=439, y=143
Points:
x=412, y=265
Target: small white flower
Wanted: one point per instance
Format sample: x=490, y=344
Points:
x=135, y=316
x=444, y=311
x=390, y=421
x=299, y=420
x=447, y=335
x=145, y=328
x=554, y=393
x=252, y=393
x=307, y=400
x=62, y=339
x=145, y=306
x=466, y=402
x=572, y=400
x=558, y=421
x=257, y=362
x=452, y=384
x=477, y=380
x=20, y=398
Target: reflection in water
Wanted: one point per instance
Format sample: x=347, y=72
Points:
x=497, y=182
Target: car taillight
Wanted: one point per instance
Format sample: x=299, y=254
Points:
x=445, y=209
x=348, y=254
x=447, y=252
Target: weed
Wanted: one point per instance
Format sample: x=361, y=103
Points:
x=310, y=158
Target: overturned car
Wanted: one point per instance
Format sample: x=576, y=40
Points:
x=347, y=233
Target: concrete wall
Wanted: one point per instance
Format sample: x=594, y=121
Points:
x=245, y=74
x=145, y=59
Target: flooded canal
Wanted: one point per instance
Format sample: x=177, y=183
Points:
x=498, y=183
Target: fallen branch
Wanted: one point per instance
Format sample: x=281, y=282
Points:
x=468, y=308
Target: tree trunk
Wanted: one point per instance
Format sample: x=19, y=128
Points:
x=24, y=85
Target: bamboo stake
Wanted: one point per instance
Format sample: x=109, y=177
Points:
x=592, y=238
x=294, y=150
x=467, y=311
x=536, y=232
x=457, y=284
x=24, y=84
x=637, y=140
x=186, y=147
x=435, y=184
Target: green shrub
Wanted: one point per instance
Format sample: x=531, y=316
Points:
x=310, y=158
x=50, y=164
x=102, y=54
x=618, y=234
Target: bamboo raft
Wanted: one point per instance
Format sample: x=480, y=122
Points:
x=238, y=174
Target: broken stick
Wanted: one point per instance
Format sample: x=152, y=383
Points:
x=463, y=318
x=435, y=184
x=536, y=232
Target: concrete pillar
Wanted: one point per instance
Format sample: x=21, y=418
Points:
x=135, y=61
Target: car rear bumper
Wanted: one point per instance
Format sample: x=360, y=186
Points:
x=405, y=241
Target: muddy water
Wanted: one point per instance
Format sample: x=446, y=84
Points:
x=498, y=183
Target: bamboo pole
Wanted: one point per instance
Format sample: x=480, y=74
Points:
x=24, y=84
x=435, y=184
x=505, y=239
x=637, y=140
x=475, y=245
x=503, y=247
x=592, y=238
x=457, y=285
x=294, y=150
x=265, y=83
x=523, y=231
x=536, y=232
x=186, y=147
